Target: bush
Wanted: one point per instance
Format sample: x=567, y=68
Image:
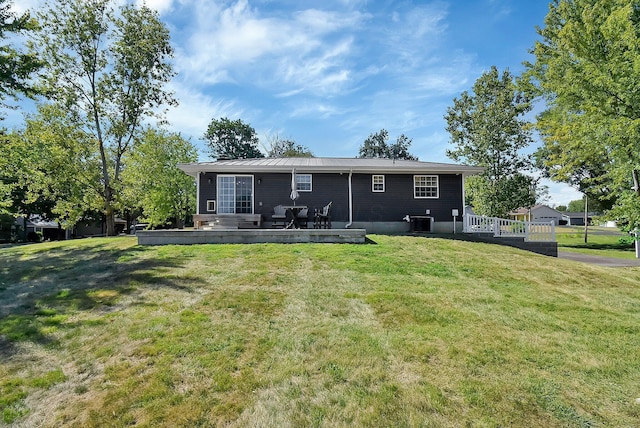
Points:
x=627, y=240
x=34, y=237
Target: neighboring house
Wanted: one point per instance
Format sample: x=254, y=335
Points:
x=373, y=194
x=576, y=219
x=49, y=230
x=98, y=228
x=538, y=213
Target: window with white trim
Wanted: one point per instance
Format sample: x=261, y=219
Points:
x=211, y=205
x=425, y=186
x=303, y=182
x=377, y=183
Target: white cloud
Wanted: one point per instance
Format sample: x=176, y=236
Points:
x=304, y=50
x=195, y=111
x=20, y=7
x=560, y=193
x=162, y=6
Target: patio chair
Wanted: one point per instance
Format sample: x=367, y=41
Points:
x=322, y=217
x=279, y=217
x=303, y=218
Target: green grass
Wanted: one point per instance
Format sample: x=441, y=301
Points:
x=601, y=241
x=406, y=331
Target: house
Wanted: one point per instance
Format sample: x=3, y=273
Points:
x=538, y=213
x=576, y=219
x=379, y=195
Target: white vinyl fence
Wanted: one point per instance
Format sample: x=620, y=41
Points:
x=501, y=227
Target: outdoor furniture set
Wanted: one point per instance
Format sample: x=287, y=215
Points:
x=297, y=217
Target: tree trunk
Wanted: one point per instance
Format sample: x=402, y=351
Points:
x=109, y=213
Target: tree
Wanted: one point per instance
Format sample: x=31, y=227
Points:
x=586, y=70
x=488, y=129
x=153, y=182
x=232, y=139
x=59, y=162
x=376, y=146
x=286, y=148
x=109, y=70
x=568, y=156
x=16, y=67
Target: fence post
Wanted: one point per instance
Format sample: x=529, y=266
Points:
x=496, y=227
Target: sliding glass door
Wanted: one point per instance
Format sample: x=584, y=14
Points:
x=235, y=194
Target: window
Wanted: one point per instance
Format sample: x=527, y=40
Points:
x=303, y=182
x=211, y=206
x=425, y=186
x=377, y=183
x=235, y=194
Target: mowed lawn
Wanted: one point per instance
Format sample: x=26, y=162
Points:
x=601, y=241
x=403, y=331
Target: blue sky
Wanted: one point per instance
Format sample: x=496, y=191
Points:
x=329, y=73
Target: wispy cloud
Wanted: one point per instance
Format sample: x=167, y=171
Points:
x=237, y=43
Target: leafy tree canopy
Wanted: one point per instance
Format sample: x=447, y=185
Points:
x=587, y=70
x=108, y=68
x=488, y=129
x=60, y=162
x=287, y=148
x=16, y=67
x=232, y=139
x=377, y=146
x=153, y=182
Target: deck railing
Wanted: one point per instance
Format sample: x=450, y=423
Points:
x=505, y=228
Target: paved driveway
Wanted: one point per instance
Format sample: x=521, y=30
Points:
x=598, y=260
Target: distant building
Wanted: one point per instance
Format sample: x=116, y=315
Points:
x=576, y=219
x=538, y=213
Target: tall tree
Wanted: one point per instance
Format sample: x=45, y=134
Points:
x=153, y=181
x=109, y=68
x=232, y=139
x=16, y=67
x=58, y=161
x=377, y=146
x=286, y=148
x=488, y=129
x=587, y=70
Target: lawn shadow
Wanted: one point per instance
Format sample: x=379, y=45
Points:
x=39, y=291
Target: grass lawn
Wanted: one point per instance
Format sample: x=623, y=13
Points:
x=601, y=241
x=406, y=331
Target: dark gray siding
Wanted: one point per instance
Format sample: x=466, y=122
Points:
x=397, y=201
x=207, y=190
x=274, y=189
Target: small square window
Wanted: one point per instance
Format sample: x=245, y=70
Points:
x=211, y=206
x=377, y=183
x=303, y=182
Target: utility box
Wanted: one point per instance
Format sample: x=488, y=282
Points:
x=421, y=223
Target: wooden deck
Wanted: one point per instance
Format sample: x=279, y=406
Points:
x=251, y=236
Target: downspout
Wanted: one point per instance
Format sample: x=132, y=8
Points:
x=348, y=225
x=198, y=192
x=464, y=207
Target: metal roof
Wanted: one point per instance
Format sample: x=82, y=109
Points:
x=317, y=165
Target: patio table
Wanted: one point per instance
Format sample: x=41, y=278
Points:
x=293, y=210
